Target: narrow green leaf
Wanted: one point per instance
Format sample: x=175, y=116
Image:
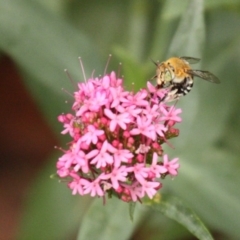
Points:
x=168, y=13
x=109, y=221
x=190, y=35
x=175, y=209
x=138, y=23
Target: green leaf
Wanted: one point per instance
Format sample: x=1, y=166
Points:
x=167, y=15
x=190, y=35
x=51, y=211
x=109, y=221
x=173, y=9
x=210, y=183
x=174, y=209
x=132, y=70
x=43, y=45
x=219, y=3
x=138, y=33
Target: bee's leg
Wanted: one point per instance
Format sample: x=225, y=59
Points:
x=152, y=78
x=162, y=99
x=159, y=86
x=167, y=84
x=171, y=96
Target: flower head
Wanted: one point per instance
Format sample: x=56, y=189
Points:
x=116, y=140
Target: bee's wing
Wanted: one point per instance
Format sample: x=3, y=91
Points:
x=204, y=75
x=190, y=60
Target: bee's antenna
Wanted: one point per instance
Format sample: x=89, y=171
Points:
x=152, y=78
x=156, y=63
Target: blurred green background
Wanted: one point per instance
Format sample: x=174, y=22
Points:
x=42, y=38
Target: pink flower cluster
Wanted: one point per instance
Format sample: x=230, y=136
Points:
x=116, y=140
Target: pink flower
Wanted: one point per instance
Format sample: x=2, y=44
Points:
x=62, y=171
x=143, y=148
x=115, y=82
x=171, y=114
x=67, y=159
x=155, y=168
x=151, y=111
x=92, y=135
x=118, y=96
x=106, y=82
x=120, y=155
x=86, y=89
x=76, y=185
x=149, y=188
x=93, y=187
x=144, y=127
x=101, y=98
x=103, y=157
x=116, y=175
x=171, y=166
x=81, y=160
x=68, y=125
x=89, y=105
x=117, y=119
x=140, y=171
x=151, y=88
x=135, y=191
x=160, y=129
x=159, y=94
x=139, y=99
x=116, y=137
x=132, y=110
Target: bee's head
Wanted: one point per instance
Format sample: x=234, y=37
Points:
x=164, y=74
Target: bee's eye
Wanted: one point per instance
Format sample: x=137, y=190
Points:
x=167, y=75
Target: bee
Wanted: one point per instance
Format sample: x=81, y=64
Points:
x=177, y=75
